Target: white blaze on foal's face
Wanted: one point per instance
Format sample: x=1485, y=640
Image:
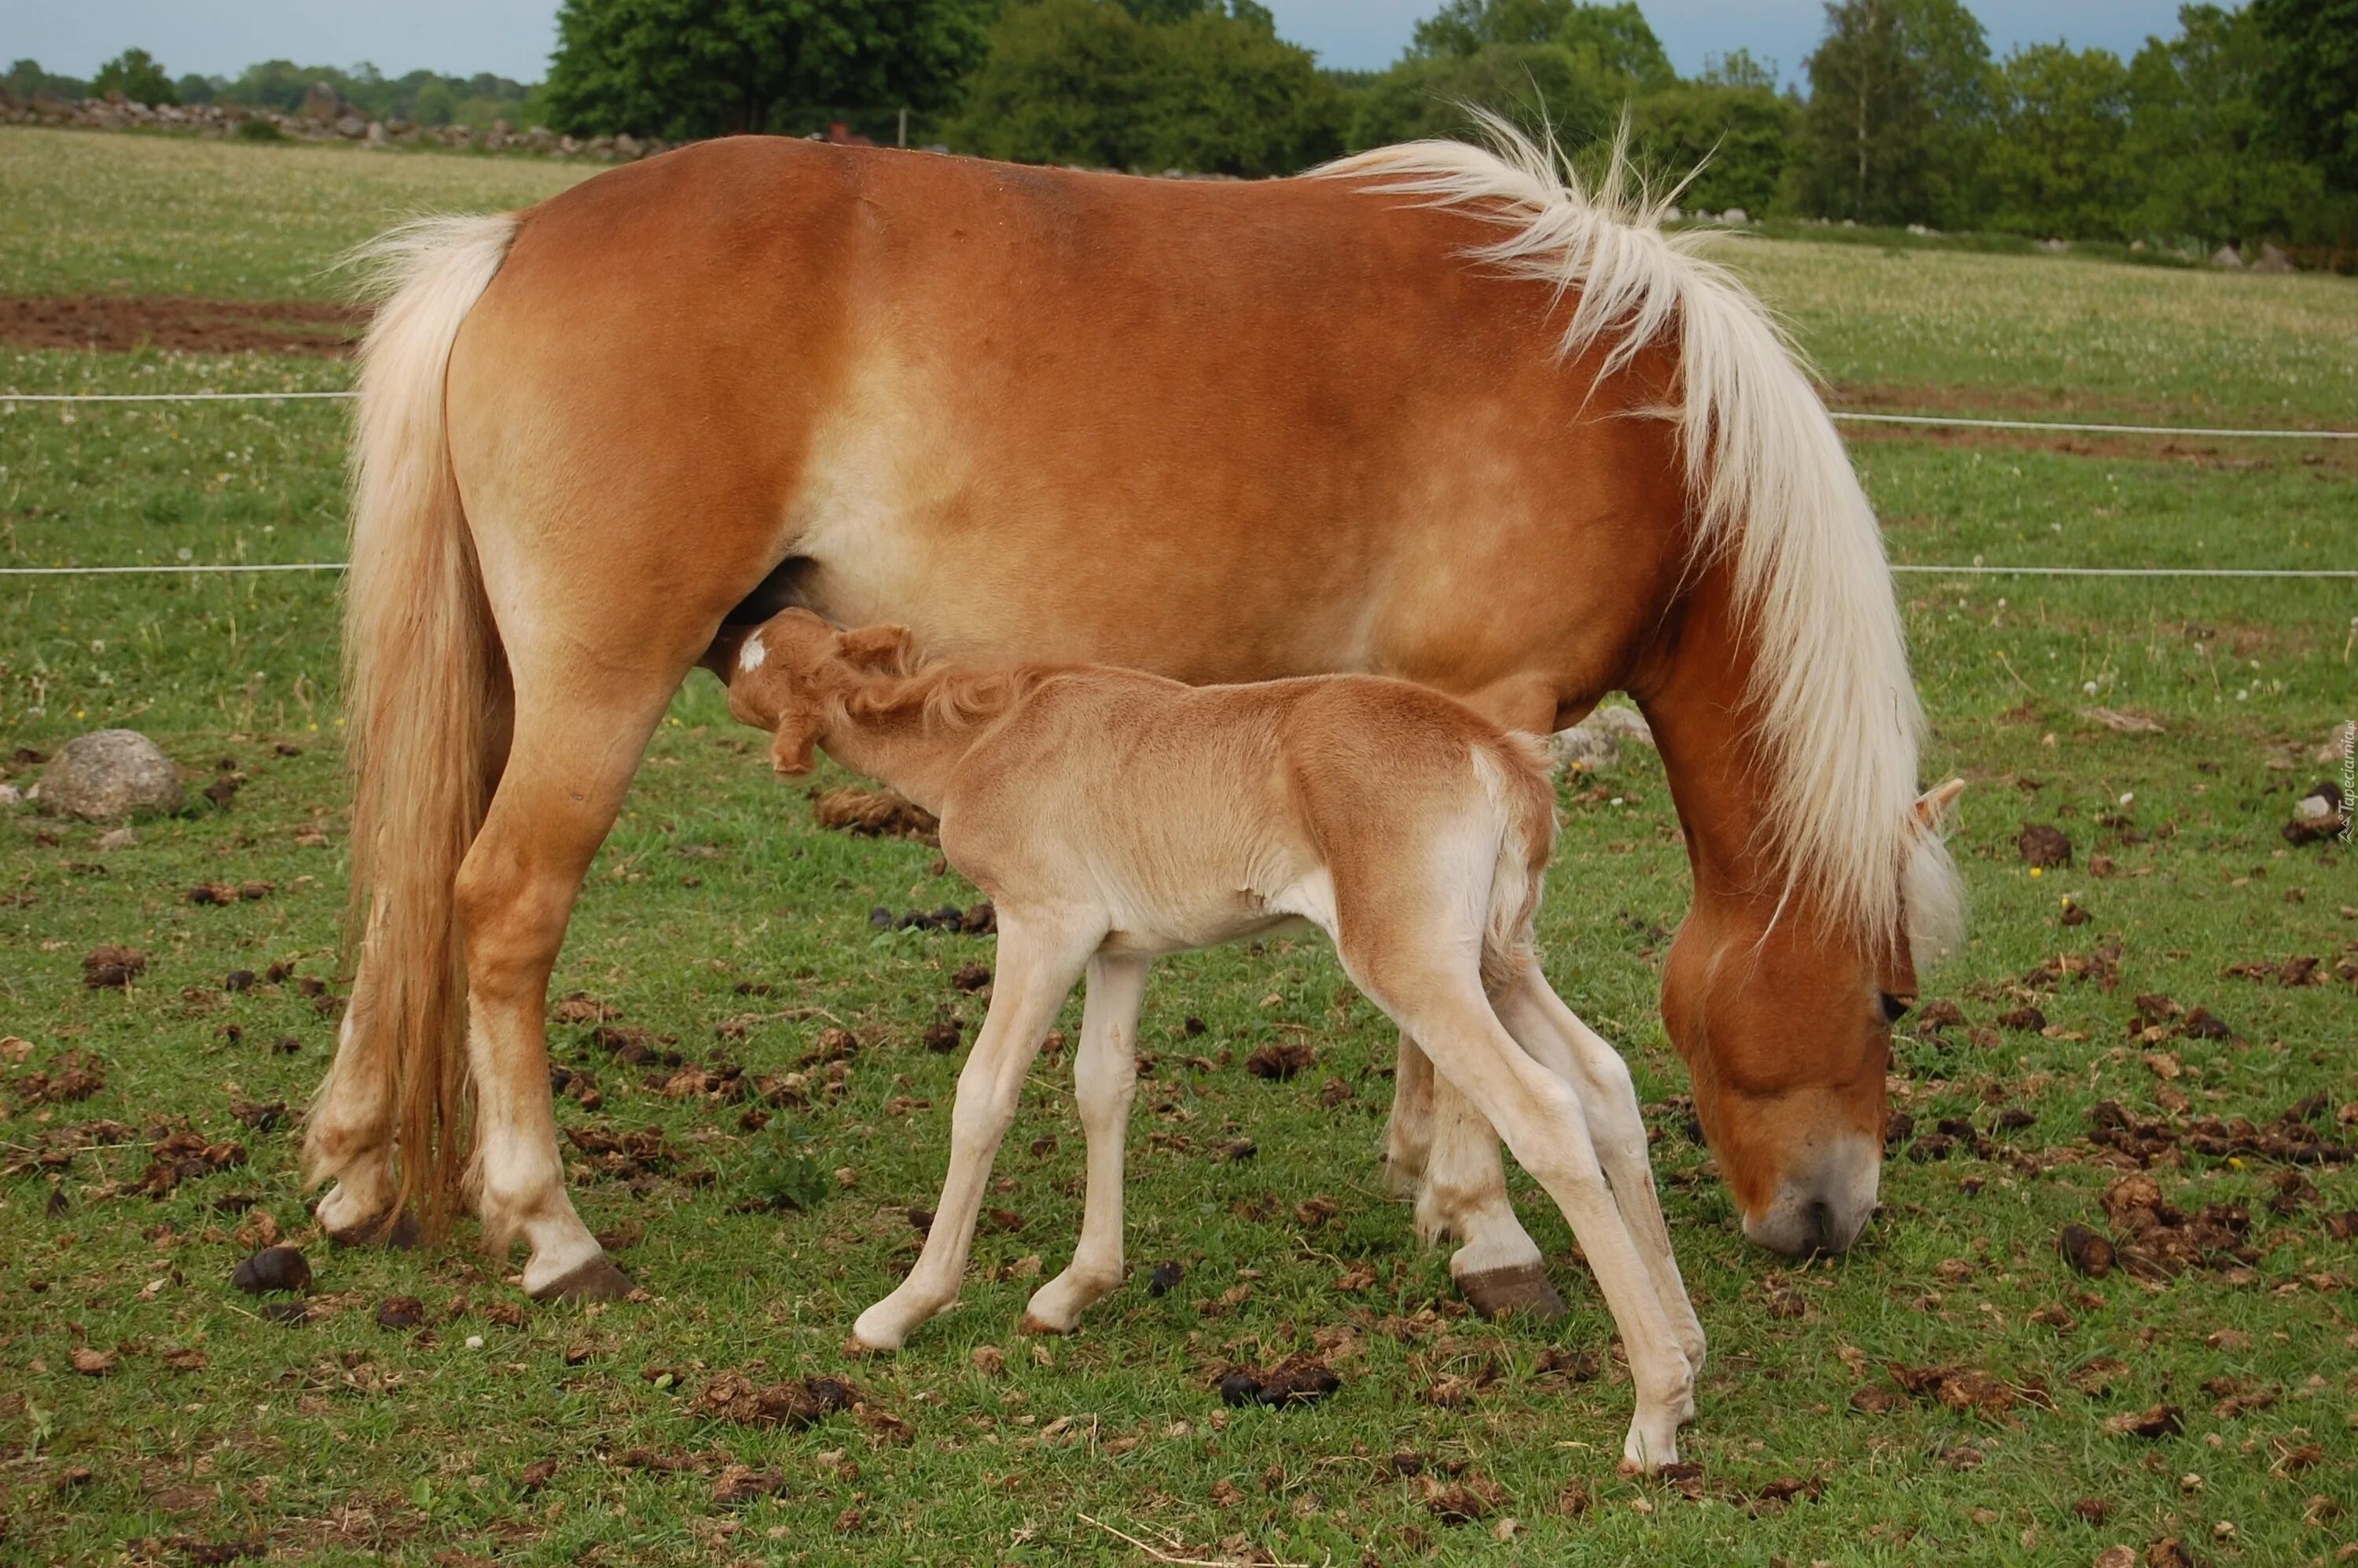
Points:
x=751, y=657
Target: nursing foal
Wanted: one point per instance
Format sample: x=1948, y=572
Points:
x=1112, y=815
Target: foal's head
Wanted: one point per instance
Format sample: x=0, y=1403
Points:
x=792, y=671
x=1786, y=1025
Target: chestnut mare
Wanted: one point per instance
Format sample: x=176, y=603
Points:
x=1434, y=412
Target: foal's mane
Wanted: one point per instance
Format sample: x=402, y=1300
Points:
x=1836, y=716
x=938, y=695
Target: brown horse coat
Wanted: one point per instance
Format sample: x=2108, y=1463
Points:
x=1442, y=414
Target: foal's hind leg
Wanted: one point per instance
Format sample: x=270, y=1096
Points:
x=1539, y=1115
x=1105, y=1079
x=1558, y=1040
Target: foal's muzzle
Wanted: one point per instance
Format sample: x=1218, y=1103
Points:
x=1824, y=1208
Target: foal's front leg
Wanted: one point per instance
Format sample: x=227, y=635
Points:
x=1105, y=1079
x=1039, y=959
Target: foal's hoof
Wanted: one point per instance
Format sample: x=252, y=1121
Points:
x=399, y=1231
x=1040, y=1326
x=1523, y=1288
x=595, y=1281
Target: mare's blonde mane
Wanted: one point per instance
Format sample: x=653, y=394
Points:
x=1834, y=710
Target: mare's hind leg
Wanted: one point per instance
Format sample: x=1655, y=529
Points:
x=348, y=1133
x=1105, y=1079
x=579, y=738
x=1041, y=954
x=1558, y=1040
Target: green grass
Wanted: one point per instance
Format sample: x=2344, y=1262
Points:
x=336, y=1440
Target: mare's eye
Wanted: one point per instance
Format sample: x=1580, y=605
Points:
x=1894, y=1008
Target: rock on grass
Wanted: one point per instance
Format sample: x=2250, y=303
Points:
x=109, y=774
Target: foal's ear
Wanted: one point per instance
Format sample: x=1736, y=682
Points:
x=791, y=748
x=873, y=647
x=1934, y=805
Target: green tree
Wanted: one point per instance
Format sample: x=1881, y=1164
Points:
x=1735, y=139
x=2311, y=82
x=1544, y=88
x=1065, y=83
x=1898, y=114
x=2057, y=161
x=1215, y=89
x=137, y=76
x=275, y=84
x=435, y=103
x=26, y=78
x=2212, y=162
x=1614, y=39
x=680, y=68
x=1739, y=69
x=1229, y=96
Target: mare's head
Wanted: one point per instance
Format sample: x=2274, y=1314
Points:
x=792, y=671
x=1784, y=1014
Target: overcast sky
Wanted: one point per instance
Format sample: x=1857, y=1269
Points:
x=513, y=38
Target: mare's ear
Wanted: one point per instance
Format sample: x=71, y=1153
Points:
x=797, y=737
x=873, y=647
x=1935, y=804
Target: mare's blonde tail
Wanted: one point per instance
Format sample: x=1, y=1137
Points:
x=421, y=676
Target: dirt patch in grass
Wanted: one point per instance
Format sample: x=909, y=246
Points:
x=118, y=324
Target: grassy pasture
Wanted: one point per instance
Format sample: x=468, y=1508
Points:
x=335, y=1440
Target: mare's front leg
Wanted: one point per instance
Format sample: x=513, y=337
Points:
x=1105, y=1080
x=1498, y=1266
x=1408, y=1134
x=1041, y=954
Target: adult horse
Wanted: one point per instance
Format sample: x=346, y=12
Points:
x=1437, y=412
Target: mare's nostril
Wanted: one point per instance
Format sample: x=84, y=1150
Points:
x=1817, y=1222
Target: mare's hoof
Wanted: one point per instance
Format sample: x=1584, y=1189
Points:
x=1039, y=1326
x=1524, y=1288
x=399, y=1231
x=595, y=1281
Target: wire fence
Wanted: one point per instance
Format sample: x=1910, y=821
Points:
x=1861, y=416
x=1858, y=417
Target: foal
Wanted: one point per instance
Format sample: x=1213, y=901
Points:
x=1112, y=815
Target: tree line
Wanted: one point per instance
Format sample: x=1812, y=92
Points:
x=422, y=97
x=2242, y=126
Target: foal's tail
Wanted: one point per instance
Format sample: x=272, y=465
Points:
x=422, y=672
x=1516, y=777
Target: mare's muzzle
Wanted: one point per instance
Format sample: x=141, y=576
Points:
x=1824, y=1208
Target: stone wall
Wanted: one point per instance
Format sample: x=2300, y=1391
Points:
x=323, y=118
